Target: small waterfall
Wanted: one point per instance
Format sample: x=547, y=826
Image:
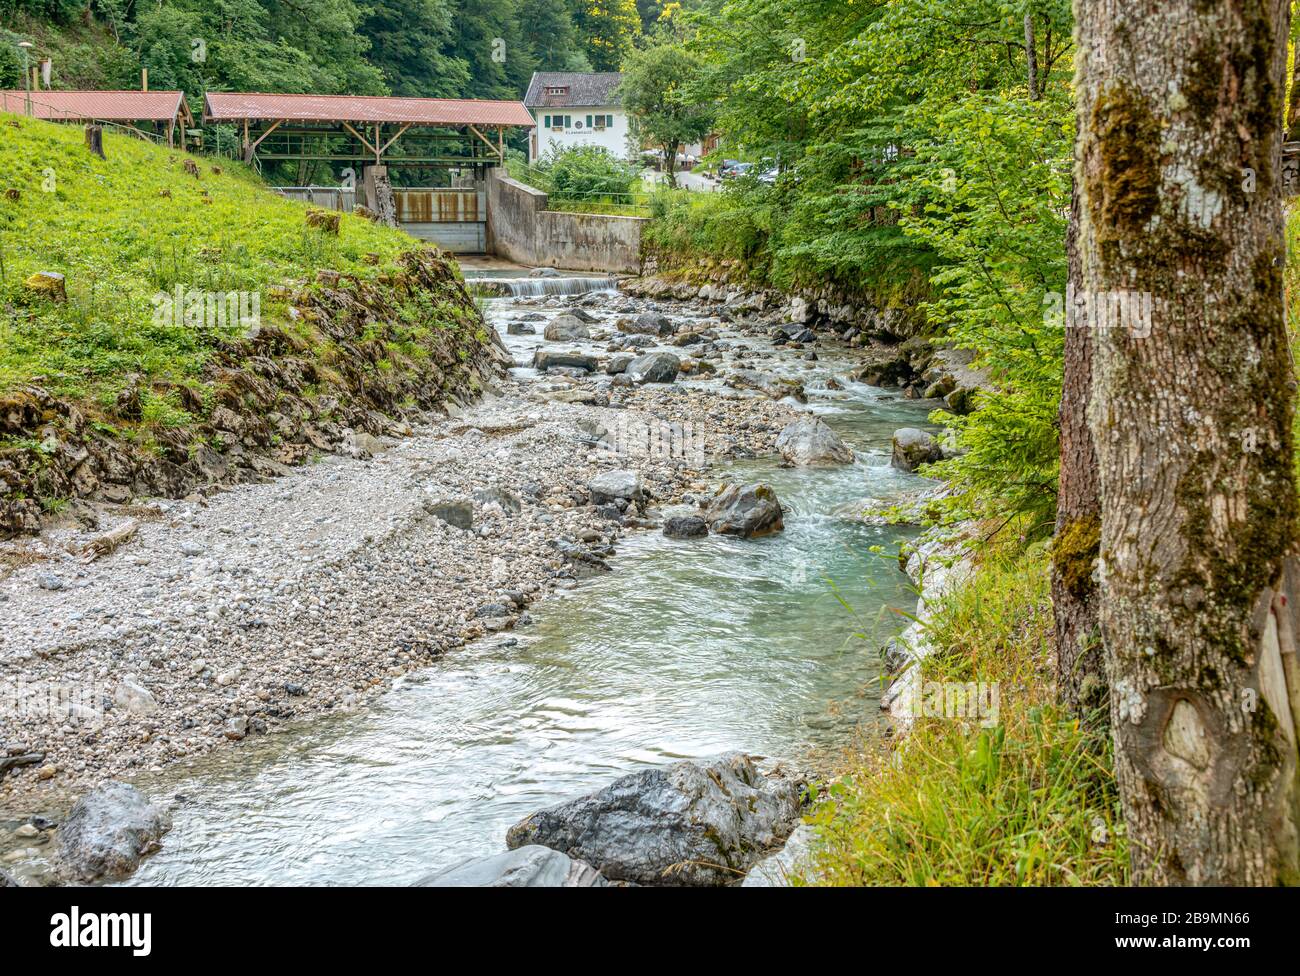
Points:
x=533, y=287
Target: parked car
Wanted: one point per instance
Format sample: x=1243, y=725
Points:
x=732, y=169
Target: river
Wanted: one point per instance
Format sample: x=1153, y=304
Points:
x=687, y=650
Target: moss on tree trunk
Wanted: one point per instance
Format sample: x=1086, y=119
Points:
x=1180, y=112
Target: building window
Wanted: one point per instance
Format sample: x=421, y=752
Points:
x=557, y=90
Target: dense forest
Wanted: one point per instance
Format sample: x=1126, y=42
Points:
x=434, y=48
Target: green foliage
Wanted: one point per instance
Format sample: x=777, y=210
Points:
x=988, y=191
x=658, y=93
x=107, y=227
x=1027, y=798
x=430, y=48
x=586, y=179
x=918, y=164
x=586, y=171
x=732, y=226
x=609, y=28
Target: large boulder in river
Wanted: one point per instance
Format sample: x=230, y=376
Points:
x=809, y=441
x=532, y=866
x=108, y=831
x=610, y=486
x=685, y=527
x=567, y=328
x=748, y=511
x=653, y=367
x=544, y=359
x=684, y=824
x=914, y=447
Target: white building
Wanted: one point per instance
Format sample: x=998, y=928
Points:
x=577, y=109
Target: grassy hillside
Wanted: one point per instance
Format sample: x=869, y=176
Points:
x=365, y=321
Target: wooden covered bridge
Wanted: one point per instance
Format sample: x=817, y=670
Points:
x=372, y=135
x=153, y=114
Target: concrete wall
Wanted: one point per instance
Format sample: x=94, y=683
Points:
x=521, y=229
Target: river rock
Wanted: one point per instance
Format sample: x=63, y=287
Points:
x=455, y=512
x=545, y=359
x=134, y=697
x=684, y=824
x=532, y=866
x=776, y=387
x=567, y=328
x=619, y=364
x=809, y=441
x=685, y=527
x=654, y=367
x=647, y=323
x=886, y=366
x=507, y=500
x=748, y=511
x=521, y=328
x=775, y=871
x=609, y=486
x=914, y=447
x=108, y=831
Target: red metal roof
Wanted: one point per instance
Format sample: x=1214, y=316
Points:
x=110, y=106
x=232, y=106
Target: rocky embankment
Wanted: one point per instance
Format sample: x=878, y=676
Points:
x=897, y=348
x=343, y=371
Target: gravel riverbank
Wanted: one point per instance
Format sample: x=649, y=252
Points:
x=225, y=616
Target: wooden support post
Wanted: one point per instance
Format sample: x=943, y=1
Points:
x=95, y=140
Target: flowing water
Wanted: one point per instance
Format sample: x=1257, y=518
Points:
x=687, y=650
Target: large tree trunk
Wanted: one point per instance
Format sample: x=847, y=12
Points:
x=1180, y=112
x=1080, y=671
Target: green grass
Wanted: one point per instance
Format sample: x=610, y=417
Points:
x=1030, y=800
x=125, y=229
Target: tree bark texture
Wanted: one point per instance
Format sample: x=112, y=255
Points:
x=1180, y=115
x=1080, y=668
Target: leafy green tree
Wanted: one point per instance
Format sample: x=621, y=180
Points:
x=409, y=41
x=656, y=91
x=588, y=173
x=609, y=29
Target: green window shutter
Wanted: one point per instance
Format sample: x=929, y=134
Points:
x=568, y=121
x=609, y=121
x=590, y=122
x=546, y=124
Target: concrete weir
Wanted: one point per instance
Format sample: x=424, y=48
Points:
x=502, y=217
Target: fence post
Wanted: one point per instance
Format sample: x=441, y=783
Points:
x=95, y=140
